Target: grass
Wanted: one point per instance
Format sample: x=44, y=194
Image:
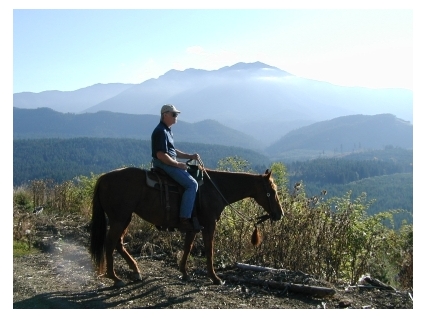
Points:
x=21, y=248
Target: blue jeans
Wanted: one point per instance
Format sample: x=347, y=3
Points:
x=187, y=181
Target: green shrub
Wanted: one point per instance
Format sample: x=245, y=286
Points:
x=331, y=238
x=21, y=248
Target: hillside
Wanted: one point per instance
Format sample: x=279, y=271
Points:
x=63, y=159
x=73, y=101
x=353, y=167
x=339, y=136
x=386, y=176
x=377, y=187
x=347, y=134
x=47, y=123
x=385, y=192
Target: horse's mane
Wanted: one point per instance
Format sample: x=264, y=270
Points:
x=241, y=173
x=231, y=172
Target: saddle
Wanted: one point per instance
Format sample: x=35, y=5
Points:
x=158, y=179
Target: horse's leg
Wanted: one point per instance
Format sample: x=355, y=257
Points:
x=208, y=236
x=112, y=237
x=188, y=244
x=130, y=260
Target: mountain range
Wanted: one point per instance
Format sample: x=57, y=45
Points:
x=258, y=100
x=339, y=135
x=47, y=123
x=347, y=134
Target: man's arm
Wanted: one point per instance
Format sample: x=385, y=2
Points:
x=183, y=155
x=165, y=158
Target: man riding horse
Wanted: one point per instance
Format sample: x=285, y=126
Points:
x=164, y=156
x=121, y=192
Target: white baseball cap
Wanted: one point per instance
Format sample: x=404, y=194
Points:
x=169, y=108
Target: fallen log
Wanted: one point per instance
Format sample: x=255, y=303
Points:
x=305, y=289
x=255, y=268
x=360, y=287
x=376, y=283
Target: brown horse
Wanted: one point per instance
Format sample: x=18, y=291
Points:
x=120, y=193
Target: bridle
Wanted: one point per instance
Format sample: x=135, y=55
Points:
x=260, y=219
x=265, y=217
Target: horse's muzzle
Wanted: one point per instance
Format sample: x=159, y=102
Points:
x=277, y=217
x=272, y=218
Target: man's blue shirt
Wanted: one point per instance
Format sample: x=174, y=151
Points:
x=162, y=140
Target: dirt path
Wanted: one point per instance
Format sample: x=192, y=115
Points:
x=64, y=278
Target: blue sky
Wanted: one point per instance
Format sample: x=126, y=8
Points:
x=71, y=49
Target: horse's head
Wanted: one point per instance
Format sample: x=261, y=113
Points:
x=267, y=197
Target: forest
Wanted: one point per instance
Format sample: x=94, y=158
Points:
x=344, y=170
x=385, y=176
x=63, y=159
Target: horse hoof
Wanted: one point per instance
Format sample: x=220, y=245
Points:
x=119, y=284
x=218, y=282
x=136, y=276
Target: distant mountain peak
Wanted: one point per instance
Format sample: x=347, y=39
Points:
x=173, y=73
x=248, y=66
x=236, y=67
x=241, y=66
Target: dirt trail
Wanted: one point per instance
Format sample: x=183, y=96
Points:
x=64, y=277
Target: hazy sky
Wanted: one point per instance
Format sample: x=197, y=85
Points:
x=71, y=49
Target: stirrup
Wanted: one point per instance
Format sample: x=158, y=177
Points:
x=198, y=227
x=186, y=225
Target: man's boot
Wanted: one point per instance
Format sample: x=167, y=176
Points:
x=198, y=227
x=186, y=225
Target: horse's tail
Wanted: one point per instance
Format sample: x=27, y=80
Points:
x=98, y=227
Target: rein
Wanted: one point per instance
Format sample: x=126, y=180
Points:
x=260, y=219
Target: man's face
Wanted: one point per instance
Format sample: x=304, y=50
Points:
x=170, y=118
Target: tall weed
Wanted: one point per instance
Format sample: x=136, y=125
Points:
x=332, y=238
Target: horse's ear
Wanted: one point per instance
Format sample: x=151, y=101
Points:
x=268, y=173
